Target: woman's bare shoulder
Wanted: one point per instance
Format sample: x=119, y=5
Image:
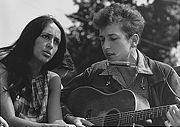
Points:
x=54, y=80
x=52, y=74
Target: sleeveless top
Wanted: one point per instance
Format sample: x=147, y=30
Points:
x=35, y=110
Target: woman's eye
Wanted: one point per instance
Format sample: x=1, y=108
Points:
x=56, y=41
x=45, y=37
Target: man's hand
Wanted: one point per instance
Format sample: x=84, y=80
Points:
x=79, y=122
x=173, y=116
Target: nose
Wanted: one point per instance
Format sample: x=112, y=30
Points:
x=50, y=44
x=106, y=44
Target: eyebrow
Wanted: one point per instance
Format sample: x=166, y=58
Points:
x=51, y=35
x=111, y=34
x=47, y=33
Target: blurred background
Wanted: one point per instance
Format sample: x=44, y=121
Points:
x=160, y=39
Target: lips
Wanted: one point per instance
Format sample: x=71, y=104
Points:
x=47, y=53
x=109, y=54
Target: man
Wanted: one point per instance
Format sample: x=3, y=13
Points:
x=126, y=68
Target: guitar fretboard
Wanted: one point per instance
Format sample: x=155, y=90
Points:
x=133, y=116
x=141, y=115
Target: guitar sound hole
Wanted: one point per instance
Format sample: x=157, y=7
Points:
x=112, y=118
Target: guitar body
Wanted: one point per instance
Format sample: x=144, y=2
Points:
x=88, y=102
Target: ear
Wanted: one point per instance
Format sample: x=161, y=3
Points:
x=134, y=40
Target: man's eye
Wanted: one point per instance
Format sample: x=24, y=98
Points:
x=113, y=38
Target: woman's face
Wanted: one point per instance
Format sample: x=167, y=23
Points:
x=46, y=45
x=115, y=45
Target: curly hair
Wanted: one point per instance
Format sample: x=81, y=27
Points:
x=130, y=20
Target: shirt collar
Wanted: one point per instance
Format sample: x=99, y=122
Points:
x=142, y=66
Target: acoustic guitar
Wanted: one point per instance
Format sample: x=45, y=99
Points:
x=123, y=107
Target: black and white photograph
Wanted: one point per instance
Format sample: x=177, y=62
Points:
x=89, y=63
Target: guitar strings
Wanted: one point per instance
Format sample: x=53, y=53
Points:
x=130, y=113
x=129, y=117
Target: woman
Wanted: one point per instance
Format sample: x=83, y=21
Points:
x=29, y=91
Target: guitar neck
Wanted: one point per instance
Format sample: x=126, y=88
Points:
x=142, y=115
x=133, y=116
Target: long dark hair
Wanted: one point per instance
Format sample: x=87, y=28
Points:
x=21, y=52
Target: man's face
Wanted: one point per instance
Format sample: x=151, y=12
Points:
x=115, y=45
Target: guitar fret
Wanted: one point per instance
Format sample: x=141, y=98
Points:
x=134, y=116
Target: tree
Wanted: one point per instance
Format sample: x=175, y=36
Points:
x=161, y=32
x=162, y=29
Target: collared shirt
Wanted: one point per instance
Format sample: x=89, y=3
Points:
x=133, y=78
x=143, y=66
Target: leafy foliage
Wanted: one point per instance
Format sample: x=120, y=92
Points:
x=161, y=32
